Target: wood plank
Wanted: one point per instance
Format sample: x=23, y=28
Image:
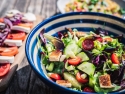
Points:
x=1, y=1
x=26, y=6
x=31, y=6
x=5, y=6
x=49, y=8
x=20, y=5
x=38, y=5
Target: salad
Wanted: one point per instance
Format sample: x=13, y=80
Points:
x=14, y=27
x=84, y=61
x=103, y=6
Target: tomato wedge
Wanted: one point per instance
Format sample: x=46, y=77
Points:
x=8, y=51
x=100, y=39
x=29, y=25
x=79, y=79
x=17, y=36
x=1, y=20
x=115, y=59
x=55, y=76
x=74, y=61
x=4, y=69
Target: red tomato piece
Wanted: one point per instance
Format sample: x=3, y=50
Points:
x=115, y=59
x=74, y=61
x=1, y=20
x=88, y=89
x=81, y=80
x=4, y=69
x=55, y=76
x=88, y=44
x=17, y=36
x=100, y=39
x=79, y=10
x=8, y=51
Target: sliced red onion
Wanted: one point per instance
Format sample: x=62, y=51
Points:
x=42, y=37
x=8, y=22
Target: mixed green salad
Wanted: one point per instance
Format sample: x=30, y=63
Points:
x=84, y=61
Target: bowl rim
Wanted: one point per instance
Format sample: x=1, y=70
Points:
x=38, y=26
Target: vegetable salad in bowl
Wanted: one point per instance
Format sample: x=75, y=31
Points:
x=79, y=53
x=103, y=6
x=84, y=61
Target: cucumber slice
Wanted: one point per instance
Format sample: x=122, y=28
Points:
x=72, y=49
x=83, y=56
x=72, y=80
x=87, y=67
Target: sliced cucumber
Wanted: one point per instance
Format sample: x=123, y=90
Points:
x=71, y=49
x=87, y=67
x=83, y=56
x=72, y=80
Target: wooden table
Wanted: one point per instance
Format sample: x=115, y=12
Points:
x=25, y=81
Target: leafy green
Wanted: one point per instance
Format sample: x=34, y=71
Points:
x=94, y=1
x=44, y=59
x=42, y=49
x=67, y=39
x=109, y=66
x=49, y=47
x=96, y=52
x=122, y=11
x=58, y=67
x=99, y=46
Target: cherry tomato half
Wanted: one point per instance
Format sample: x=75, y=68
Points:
x=55, y=76
x=115, y=59
x=8, y=51
x=79, y=79
x=4, y=69
x=74, y=61
x=17, y=36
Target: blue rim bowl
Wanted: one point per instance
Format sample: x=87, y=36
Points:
x=83, y=21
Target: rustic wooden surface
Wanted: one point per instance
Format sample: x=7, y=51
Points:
x=25, y=81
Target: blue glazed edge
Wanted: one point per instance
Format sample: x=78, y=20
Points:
x=49, y=20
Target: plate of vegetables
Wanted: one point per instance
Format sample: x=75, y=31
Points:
x=14, y=28
x=79, y=53
x=112, y=7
